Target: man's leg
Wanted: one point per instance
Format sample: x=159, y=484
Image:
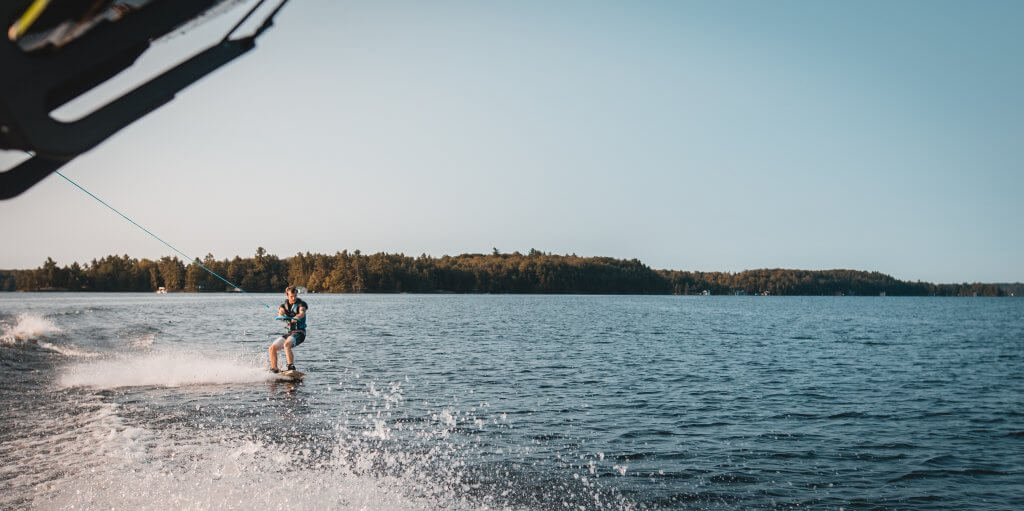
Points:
x=288, y=350
x=274, y=346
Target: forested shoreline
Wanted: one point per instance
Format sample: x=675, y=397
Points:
x=534, y=272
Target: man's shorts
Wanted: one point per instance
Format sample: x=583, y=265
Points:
x=297, y=337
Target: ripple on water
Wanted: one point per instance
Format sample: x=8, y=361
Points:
x=519, y=402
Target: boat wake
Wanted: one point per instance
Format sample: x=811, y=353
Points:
x=79, y=457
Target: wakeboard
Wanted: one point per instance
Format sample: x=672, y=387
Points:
x=292, y=375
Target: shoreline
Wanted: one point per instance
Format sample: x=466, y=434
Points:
x=497, y=273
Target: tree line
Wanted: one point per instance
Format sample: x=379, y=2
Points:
x=534, y=272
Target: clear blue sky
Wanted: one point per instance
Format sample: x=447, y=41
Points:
x=718, y=135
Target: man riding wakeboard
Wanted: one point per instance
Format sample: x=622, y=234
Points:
x=293, y=310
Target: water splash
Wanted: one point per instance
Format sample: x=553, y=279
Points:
x=376, y=456
x=27, y=328
x=67, y=350
x=161, y=369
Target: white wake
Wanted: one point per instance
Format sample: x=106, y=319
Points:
x=28, y=327
x=162, y=369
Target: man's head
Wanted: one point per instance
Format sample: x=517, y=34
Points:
x=291, y=293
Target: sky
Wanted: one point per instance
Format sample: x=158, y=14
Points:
x=713, y=136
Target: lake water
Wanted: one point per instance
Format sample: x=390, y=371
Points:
x=138, y=401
